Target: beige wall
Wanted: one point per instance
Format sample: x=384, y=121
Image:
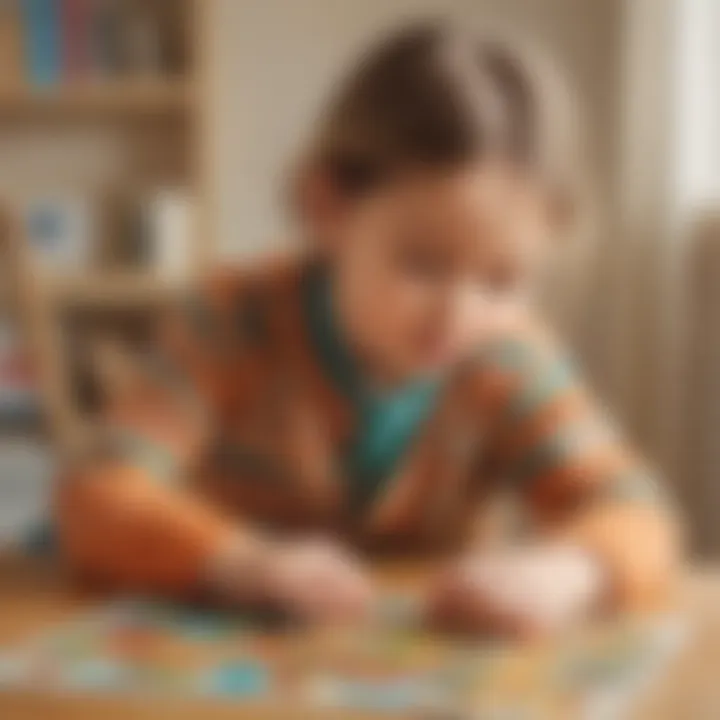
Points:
x=272, y=60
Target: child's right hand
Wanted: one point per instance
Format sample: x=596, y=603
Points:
x=313, y=580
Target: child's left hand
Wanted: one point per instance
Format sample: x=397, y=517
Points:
x=519, y=592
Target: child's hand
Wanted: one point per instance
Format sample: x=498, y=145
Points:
x=317, y=580
x=312, y=580
x=517, y=592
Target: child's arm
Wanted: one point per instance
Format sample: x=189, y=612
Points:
x=124, y=514
x=607, y=534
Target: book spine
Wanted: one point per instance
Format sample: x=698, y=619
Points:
x=104, y=38
x=42, y=28
x=141, y=43
x=12, y=62
x=18, y=391
x=74, y=22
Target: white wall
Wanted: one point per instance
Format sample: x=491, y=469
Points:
x=272, y=60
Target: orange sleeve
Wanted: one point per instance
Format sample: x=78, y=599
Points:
x=581, y=481
x=125, y=515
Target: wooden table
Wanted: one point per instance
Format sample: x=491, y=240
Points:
x=33, y=596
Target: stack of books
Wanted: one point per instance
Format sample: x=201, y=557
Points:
x=47, y=42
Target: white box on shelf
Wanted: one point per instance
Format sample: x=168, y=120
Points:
x=168, y=221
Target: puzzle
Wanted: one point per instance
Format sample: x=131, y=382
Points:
x=390, y=668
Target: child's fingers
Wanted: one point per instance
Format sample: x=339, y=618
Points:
x=349, y=593
x=452, y=603
x=478, y=598
x=521, y=594
x=325, y=588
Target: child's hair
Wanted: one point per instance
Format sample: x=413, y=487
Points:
x=436, y=96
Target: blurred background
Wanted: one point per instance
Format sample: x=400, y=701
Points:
x=143, y=141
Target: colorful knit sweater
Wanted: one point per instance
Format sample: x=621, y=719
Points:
x=235, y=425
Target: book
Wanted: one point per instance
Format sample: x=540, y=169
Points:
x=19, y=401
x=105, y=20
x=75, y=25
x=41, y=19
x=12, y=64
x=141, y=43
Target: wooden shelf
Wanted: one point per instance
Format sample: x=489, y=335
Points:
x=141, y=98
x=161, y=129
x=111, y=290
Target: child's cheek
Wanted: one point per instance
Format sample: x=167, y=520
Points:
x=433, y=340
x=405, y=320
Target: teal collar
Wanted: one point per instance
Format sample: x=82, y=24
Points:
x=386, y=422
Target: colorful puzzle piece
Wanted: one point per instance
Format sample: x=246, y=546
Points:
x=242, y=678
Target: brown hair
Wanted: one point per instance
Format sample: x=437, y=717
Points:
x=434, y=95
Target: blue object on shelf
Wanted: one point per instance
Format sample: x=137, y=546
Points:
x=42, y=41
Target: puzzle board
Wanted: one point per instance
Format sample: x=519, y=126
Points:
x=391, y=668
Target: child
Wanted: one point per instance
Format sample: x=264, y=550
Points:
x=376, y=391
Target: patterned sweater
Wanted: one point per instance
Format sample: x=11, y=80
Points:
x=232, y=425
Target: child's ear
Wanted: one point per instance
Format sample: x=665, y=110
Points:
x=320, y=205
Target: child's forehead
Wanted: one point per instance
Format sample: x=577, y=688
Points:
x=487, y=205
x=484, y=193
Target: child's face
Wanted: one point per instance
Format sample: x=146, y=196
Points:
x=427, y=266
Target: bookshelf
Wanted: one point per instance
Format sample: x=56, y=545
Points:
x=158, y=121
x=109, y=290
x=157, y=97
